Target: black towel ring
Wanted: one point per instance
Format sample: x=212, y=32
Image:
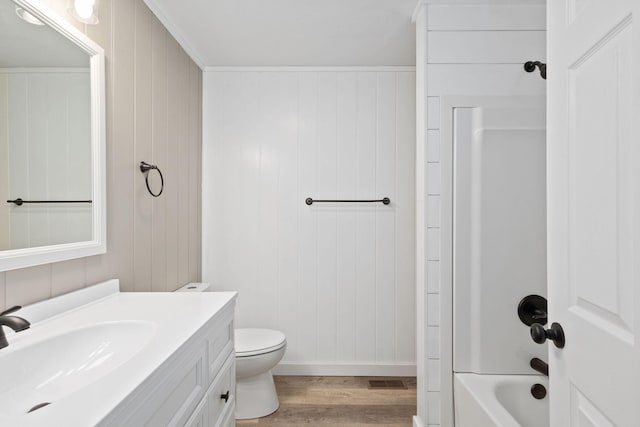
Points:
x=145, y=168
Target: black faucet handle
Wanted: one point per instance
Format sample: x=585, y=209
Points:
x=533, y=309
x=539, y=366
x=11, y=310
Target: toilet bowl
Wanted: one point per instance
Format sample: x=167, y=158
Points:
x=257, y=352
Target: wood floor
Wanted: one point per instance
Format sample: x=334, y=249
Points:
x=340, y=401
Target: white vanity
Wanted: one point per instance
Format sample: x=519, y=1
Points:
x=101, y=357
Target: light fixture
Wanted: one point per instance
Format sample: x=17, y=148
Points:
x=85, y=11
x=26, y=16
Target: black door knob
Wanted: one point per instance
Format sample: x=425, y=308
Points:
x=554, y=333
x=225, y=396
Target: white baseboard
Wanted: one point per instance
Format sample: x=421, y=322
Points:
x=417, y=421
x=356, y=370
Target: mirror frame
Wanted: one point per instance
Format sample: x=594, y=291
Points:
x=28, y=257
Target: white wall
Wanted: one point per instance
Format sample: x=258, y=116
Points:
x=49, y=155
x=468, y=49
x=337, y=279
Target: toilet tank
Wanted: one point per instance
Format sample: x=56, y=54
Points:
x=195, y=287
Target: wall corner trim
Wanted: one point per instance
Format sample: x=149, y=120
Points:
x=417, y=421
x=175, y=32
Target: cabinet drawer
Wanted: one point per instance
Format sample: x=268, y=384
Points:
x=222, y=394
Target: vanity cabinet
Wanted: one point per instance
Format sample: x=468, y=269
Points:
x=195, y=387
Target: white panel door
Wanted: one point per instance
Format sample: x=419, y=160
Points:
x=594, y=211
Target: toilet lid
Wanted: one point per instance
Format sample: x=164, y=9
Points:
x=253, y=341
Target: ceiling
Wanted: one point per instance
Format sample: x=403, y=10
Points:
x=292, y=32
x=24, y=45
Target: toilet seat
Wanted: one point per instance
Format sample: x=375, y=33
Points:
x=255, y=341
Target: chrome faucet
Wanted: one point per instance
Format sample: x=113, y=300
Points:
x=14, y=322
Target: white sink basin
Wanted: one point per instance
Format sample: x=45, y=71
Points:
x=48, y=370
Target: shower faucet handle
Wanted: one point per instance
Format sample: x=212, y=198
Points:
x=533, y=309
x=539, y=315
x=540, y=366
x=555, y=333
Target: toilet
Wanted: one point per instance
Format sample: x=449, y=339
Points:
x=257, y=352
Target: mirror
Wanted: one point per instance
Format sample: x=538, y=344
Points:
x=52, y=138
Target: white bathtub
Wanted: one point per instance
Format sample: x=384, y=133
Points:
x=499, y=401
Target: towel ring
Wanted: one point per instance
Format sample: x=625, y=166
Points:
x=145, y=168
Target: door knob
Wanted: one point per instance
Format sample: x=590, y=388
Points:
x=554, y=333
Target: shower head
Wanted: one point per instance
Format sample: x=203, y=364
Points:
x=530, y=67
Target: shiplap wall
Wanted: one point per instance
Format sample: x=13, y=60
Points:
x=338, y=280
x=466, y=49
x=153, y=101
x=48, y=149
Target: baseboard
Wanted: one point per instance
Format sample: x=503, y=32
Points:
x=417, y=421
x=355, y=370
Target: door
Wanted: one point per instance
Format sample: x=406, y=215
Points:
x=594, y=211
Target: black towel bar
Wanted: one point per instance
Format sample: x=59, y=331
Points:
x=310, y=201
x=20, y=202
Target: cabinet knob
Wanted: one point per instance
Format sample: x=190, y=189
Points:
x=225, y=396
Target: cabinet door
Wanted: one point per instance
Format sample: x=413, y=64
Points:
x=220, y=342
x=183, y=390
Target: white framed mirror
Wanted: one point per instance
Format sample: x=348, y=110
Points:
x=52, y=138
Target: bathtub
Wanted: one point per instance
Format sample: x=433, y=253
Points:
x=499, y=401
